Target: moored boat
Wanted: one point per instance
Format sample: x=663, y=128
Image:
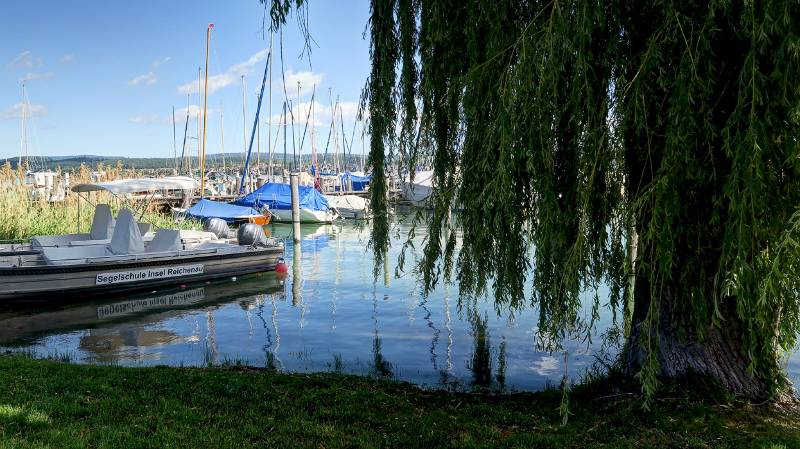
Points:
x=277, y=199
x=206, y=209
x=419, y=189
x=349, y=206
x=126, y=262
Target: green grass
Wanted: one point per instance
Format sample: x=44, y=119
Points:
x=53, y=404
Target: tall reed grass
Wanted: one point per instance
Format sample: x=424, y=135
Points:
x=23, y=215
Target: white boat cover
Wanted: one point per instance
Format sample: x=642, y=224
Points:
x=126, y=186
x=102, y=223
x=102, y=228
x=126, y=239
x=165, y=240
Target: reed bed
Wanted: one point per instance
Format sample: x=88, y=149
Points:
x=25, y=215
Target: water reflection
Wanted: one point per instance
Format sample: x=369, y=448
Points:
x=126, y=330
x=332, y=314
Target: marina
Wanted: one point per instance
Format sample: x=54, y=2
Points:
x=400, y=224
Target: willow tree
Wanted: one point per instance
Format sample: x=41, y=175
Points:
x=651, y=146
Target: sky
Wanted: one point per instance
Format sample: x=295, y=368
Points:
x=102, y=77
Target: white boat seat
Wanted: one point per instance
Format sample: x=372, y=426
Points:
x=144, y=228
x=166, y=240
x=73, y=255
x=89, y=242
x=126, y=238
x=52, y=241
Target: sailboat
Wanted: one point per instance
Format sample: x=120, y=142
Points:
x=207, y=209
x=418, y=189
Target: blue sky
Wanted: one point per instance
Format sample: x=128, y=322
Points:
x=104, y=76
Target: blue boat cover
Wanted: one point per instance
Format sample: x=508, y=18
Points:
x=279, y=197
x=359, y=182
x=206, y=209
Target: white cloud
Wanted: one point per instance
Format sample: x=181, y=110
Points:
x=31, y=110
x=144, y=119
x=30, y=76
x=225, y=79
x=161, y=61
x=323, y=114
x=68, y=58
x=148, y=78
x=307, y=82
x=25, y=60
x=180, y=116
x=194, y=112
x=546, y=366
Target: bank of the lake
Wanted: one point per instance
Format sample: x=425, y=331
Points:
x=46, y=403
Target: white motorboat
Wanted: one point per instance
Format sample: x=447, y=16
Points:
x=306, y=215
x=128, y=263
x=115, y=256
x=349, y=206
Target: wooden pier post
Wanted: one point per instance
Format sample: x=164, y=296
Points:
x=293, y=182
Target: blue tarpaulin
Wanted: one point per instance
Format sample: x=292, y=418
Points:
x=279, y=197
x=206, y=209
x=359, y=182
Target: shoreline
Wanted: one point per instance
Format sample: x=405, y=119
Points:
x=56, y=404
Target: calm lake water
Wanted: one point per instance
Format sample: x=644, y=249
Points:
x=328, y=315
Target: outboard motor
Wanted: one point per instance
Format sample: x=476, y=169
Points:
x=251, y=234
x=217, y=226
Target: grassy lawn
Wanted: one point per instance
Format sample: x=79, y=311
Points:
x=52, y=404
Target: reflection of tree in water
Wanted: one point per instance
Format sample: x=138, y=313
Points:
x=380, y=366
x=501, y=365
x=480, y=362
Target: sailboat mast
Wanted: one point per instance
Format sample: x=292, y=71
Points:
x=22, y=141
x=258, y=145
x=222, y=133
x=363, y=130
x=244, y=125
x=205, y=110
x=184, y=160
x=284, y=135
x=255, y=123
x=199, y=96
x=269, y=133
x=314, y=168
x=300, y=149
x=174, y=141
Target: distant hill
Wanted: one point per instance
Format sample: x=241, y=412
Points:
x=212, y=161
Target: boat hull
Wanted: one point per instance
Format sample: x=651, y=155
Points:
x=91, y=279
x=306, y=216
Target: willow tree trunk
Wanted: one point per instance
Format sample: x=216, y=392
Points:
x=718, y=355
